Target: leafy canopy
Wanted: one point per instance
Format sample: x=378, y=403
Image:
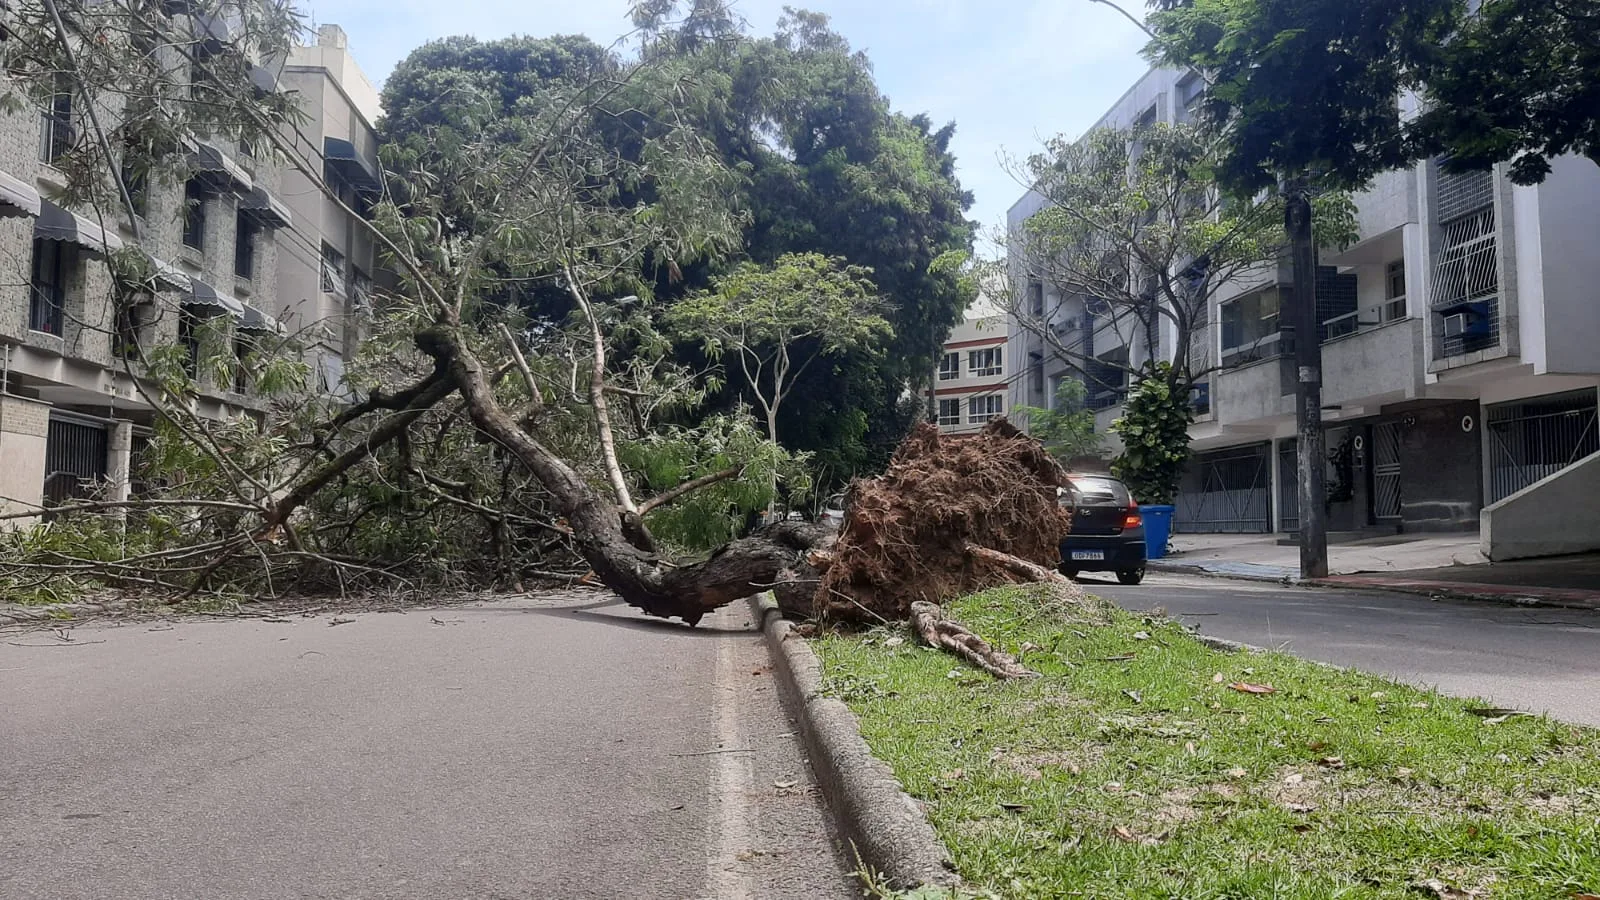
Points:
x=1309, y=87
x=779, y=319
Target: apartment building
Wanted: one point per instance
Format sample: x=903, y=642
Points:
x=220, y=243
x=1460, y=358
x=326, y=279
x=971, y=383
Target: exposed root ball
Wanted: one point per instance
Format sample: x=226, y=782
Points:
x=907, y=534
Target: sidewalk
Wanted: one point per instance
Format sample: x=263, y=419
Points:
x=1436, y=565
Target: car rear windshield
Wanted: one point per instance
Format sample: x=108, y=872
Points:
x=1089, y=491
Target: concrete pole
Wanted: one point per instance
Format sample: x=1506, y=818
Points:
x=119, y=466
x=1308, y=382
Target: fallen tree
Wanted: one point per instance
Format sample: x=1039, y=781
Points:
x=476, y=410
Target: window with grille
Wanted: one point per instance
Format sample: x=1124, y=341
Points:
x=1466, y=269
x=949, y=412
x=982, y=409
x=194, y=215
x=984, y=363
x=47, y=294
x=950, y=367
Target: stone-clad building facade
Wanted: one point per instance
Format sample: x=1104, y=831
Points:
x=218, y=244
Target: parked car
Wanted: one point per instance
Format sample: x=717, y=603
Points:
x=832, y=515
x=1107, y=530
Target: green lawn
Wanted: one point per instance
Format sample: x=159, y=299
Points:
x=1150, y=776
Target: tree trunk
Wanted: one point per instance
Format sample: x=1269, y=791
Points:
x=739, y=569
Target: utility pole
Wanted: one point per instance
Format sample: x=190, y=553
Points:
x=1308, y=380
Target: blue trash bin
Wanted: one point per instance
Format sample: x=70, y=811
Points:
x=1157, y=527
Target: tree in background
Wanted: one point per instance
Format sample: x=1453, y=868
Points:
x=777, y=320
x=1519, y=82
x=1067, y=428
x=824, y=167
x=1154, y=427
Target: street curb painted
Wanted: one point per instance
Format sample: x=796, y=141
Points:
x=1432, y=590
x=874, y=814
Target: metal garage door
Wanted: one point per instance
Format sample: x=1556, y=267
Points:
x=1227, y=492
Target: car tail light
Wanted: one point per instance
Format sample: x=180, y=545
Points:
x=1132, y=519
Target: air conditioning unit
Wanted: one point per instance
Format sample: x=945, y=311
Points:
x=1465, y=324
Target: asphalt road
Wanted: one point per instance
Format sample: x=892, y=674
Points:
x=542, y=748
x=1540, y=660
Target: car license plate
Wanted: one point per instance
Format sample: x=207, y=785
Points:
x=1088, y=554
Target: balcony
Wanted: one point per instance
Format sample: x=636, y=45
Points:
x=1377, y=359
x=1263, y=389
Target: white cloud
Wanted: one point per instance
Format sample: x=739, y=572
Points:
x=1008, y=72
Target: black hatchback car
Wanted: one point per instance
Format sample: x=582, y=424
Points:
x=1107, y=531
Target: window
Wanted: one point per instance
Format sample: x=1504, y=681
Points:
x=244, y=247
x=332, y=271
x=949, y=412
x=243, y=346
x=1467, y=269
x=138, y=184
x=189, y=320
x=132, y=318
x=984, y=363
x=56, y=137
x=1036, y=298
x=360, y=290
x=1190, y=91
x=47, y=297
x=950, y=367
x=1036, y=376
x=1250, y=327
x=194, y=215
x=982, y=409
x=1395, y=280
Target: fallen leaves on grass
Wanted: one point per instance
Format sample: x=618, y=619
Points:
x=1123, y=658
x=1444, y=891
x=1245, y=687
x=1331, y=762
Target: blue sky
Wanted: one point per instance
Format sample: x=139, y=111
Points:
x=1008, y=72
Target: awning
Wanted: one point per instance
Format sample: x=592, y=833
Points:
x=170, y=275
x=202, y=294
x=208, y=160
x=341, y=156
x=266, y=208
x=17, y=197
x=255, y=320
x=57, y=224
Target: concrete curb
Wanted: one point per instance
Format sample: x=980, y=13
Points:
x=1433, y=591
x=874, y=814
x=15, y=614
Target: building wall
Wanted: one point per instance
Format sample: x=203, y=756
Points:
x=78, y=370
x=984, y=329
x=23, y=425
x=338, y=102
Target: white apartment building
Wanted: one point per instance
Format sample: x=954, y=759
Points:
x=971, y=383
x=1460, y=358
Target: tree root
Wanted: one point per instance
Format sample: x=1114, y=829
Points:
x=951, y=636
